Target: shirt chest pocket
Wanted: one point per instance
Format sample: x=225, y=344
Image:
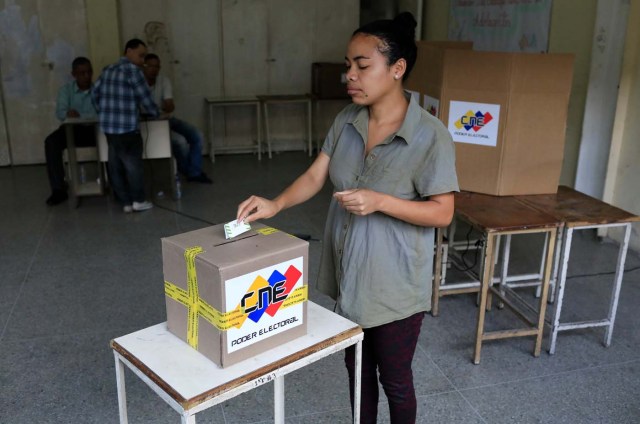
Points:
x=392, y=180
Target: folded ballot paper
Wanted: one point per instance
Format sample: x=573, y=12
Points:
x=235, y=228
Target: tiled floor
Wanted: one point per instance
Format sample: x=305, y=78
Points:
x=72, y=279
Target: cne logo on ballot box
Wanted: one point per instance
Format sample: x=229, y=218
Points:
x=270, y=300
x=474, y=123
x=234, y=299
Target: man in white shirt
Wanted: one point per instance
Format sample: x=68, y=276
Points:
x=189, y=157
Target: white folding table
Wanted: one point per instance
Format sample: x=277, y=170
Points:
x=212, y=102
x=305, y=99
x=579, y=211
x=189, y=382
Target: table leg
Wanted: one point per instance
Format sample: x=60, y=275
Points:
x=278, y=400
x=267, y=135
x=496, y=254
x=487, y=276
x=212, y=153
x=566, y=250
x=259, y=130
x=357, y=382
x=553, y=284
x=549, y=246
x=437, y=274
x=622, y=255
x=188, y=419
x=504, y=271
x=173, y=169
x=310, y=127
x=73, y=164
x=542, y=264
x=122, y=392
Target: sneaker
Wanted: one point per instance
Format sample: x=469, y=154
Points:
x=127, y=209
x=57, y=197
x=142, y=206
x=202, y=178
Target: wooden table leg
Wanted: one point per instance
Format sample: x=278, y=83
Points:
x=487, y=275
x=566, y=251
x=548, y=267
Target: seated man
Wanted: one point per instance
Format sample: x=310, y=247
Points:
x=74, y=101
x=188, y=158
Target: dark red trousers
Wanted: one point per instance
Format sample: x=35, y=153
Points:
x=387, y=349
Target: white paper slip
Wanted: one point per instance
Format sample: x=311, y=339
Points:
x=235, y=228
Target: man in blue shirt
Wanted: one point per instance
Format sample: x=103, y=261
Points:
x=74, y=101
x=118, y=95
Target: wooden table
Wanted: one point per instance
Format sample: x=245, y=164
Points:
x=494, y=217
x=213, y=102
x=306, y=99
x=189, y=382
x=79, y=188
x=577, y=211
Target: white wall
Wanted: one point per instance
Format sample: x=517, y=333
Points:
x=623, y=175
x=38, y=39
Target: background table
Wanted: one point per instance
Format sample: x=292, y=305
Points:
x=190, y=383
x=577, y=211
x=77, y=187
x=218, y=102
x=493, y=217
x=305, y=99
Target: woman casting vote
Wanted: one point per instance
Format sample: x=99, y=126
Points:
x=393, y=170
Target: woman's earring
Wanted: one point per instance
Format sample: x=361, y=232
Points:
x=396, y=76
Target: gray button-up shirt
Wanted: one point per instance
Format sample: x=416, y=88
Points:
x=379, y=268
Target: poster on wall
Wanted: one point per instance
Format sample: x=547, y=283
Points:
x=501, y=25
x=474, y=123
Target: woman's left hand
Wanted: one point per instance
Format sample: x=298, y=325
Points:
x=359, y=201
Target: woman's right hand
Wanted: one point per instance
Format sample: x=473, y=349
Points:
x=255, y=208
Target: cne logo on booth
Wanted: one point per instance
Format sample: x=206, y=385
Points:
x=267, y=295
x=475, y=121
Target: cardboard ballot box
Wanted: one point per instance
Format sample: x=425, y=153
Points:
x=506, y=112
x=233, y=299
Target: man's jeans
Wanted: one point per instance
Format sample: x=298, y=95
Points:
x=125, y=166
x=188, y=156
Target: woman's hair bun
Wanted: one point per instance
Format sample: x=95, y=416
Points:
x=407, y=22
